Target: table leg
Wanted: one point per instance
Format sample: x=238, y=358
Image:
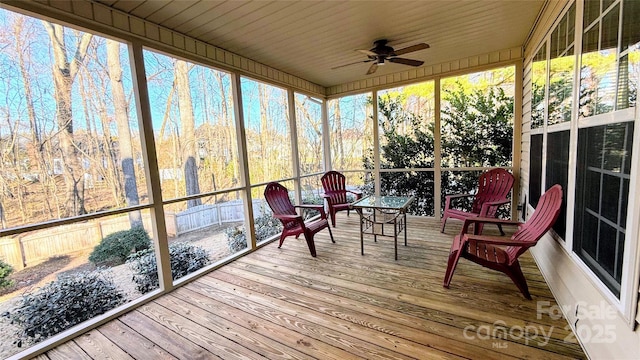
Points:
x=395, y=235
x=361, y=233
x=405, y=229
x=375, y=236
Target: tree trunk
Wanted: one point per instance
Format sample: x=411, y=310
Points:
x=124, y=132
x=64, y=73
x=229, y=128
x=188, y=138
x=36, y=136
x=338, y=133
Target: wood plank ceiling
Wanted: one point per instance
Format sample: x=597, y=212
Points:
x=309, y=38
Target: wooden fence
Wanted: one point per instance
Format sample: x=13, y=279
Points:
x=203, y=216
x=35, y=247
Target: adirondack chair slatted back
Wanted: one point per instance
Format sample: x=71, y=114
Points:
x=493, y=185
x=539, y=223
x=334, y=184
x=277, y=197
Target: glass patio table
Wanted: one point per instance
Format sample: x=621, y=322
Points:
x=383, y=216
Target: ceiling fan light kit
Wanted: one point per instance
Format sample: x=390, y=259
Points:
x=381, y=53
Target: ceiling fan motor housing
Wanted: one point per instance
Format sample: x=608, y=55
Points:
x=382, y=49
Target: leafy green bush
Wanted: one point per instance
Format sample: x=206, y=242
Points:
x=64, y=303
x=115, y=248
x=266, y=226
x=185, y=259
x=5, y=271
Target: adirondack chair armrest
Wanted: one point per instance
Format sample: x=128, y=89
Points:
x=357, y=193
x=493, y=240
x=492, y=204
x=485, y=220
x=288, y=217
x=319, y=208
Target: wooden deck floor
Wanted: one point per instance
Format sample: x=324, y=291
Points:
x=284, y=304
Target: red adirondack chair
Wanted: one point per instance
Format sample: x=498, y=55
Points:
x=335, y=192
x=488, y=251
x=493, y=187
x=277, y=197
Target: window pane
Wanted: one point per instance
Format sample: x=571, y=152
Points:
x=477, y=119
x=211, y=229
x=591, y=11
x=538, y=87
x=591, y=39
x=610, y=29
x=69, y=139
x=623, y=206
x=607, y=247
x=406, y=117
x=602, y=198
x=614, y=150
x=312, y=190
x=309, y=129
x=266, y=123
x=629, y=64
x=598, y=82
x=610, y=197
x=557, y=172
x=73, y=273
x=606, y=4
x=360, y=180
x=571, y=24
x=555, y=47
x=562, y=37
x=535, y=169
x=561, y=72
x=561, y=88
x=619, y=258
x=194, y=129
x=417, y=183
x=630, y=23
x=594, y=150
x=593, y=180
x=590, y=238
x=351, y=137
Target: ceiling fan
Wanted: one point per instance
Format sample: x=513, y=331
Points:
x=381, y=53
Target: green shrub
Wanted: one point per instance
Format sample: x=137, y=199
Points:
x=5, y=271
x=236, y=238
x=185, y=259
x=64, y=303
x=115, y=248
x=266, y=226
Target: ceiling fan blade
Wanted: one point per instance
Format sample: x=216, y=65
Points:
x=406, y=61
x=373, y=68
x=367, y=52
x=412, y=48
x=353, y=63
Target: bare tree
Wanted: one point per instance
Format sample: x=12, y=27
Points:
x=337, y=134
x=124, y=132
x=64, y=73
x=188, y=138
